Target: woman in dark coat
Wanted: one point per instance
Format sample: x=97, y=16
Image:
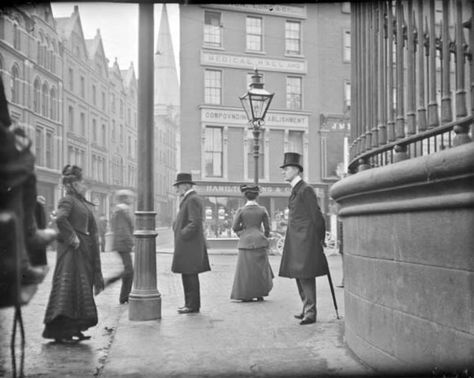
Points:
x=253, y=273
x=71, y=307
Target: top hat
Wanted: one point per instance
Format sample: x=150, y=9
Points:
x=184, y=178
x=292, y=159
x=249, y=188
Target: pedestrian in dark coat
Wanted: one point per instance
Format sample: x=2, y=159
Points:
x=122, y=228
x=253, y=273
x=71, y=307
x=190, y=252
x=303, y=255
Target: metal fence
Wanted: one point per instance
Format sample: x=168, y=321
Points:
x=412, y=83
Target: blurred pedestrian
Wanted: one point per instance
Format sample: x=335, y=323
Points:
x=102, y=231
x=190, y=251
x=71, y=307
x=122, y=230
x=303, y=256
x=253, y=273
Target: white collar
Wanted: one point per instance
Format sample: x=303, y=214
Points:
x=295, y=181
x=187, y=192
x=250, y=203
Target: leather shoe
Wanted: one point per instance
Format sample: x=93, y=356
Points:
x=299, y=316
x=307, y=321
x=186, y=310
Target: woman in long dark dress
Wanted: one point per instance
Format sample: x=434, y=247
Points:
x=253, y=273
x=71, y=307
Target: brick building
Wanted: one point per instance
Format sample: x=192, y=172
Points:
x=293, y=46
x=75, y=108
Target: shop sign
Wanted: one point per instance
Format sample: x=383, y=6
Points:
x=335, y=123
x=252, y=62
x=237, y=117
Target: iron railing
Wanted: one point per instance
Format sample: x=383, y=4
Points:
x=412, y=79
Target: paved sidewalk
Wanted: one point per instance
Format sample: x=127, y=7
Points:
x=227, y=338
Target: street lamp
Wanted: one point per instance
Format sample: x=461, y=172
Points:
x=255, y=103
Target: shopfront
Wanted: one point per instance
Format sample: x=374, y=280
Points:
x=221, y=201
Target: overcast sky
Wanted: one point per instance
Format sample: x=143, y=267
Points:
x=118, y=24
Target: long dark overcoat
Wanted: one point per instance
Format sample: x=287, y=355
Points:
x=190, y=251
x=303, y=254
x=77, y=270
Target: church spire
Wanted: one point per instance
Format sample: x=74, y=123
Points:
x=166, y=77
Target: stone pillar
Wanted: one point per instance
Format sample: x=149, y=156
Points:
x=145, y=300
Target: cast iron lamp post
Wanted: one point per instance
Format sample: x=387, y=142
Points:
x=255, y=103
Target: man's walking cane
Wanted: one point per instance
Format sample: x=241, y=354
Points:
x=333, y=294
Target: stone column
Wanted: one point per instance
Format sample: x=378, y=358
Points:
x=145, y=300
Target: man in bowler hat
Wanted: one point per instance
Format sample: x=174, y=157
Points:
x=303, y=256
x=190, y=252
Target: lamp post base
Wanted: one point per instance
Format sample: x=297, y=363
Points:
x=144, y=307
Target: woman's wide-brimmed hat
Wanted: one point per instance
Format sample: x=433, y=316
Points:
x=71, y=173
x=124, y=193
x=292, y=159
x=184, y=178
x=249, y=188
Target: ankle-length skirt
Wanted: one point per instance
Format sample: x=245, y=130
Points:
x=253, y=275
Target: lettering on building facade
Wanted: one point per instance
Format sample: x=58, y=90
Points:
x=269, y=9
x=250, y=62
x=237, y=117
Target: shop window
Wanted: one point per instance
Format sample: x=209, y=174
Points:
x=219, y=214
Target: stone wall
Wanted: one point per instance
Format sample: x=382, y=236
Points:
x=409, y=262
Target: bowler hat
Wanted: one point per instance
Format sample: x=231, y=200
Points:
x=184, y=178
x=292, y=159
x=249, y=188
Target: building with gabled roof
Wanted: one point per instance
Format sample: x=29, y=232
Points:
x=74, y=107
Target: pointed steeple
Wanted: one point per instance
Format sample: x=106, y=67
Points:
x=166, y=76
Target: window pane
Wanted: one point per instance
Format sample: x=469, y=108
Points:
x=212, y=28
x=292, y=37
x=212, y=87
x=213, y=152
x=293, y=92
x=347, y=46
x=254, y=33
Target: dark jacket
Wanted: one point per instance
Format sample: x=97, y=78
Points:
x=248, y=225
x=190, y=251
x=122, y=228
x=303, y=253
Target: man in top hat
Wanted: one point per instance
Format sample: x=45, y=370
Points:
x=303, y=256
x=122, y=229
x=190, y=252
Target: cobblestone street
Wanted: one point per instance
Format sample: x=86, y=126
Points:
x=267, y=337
